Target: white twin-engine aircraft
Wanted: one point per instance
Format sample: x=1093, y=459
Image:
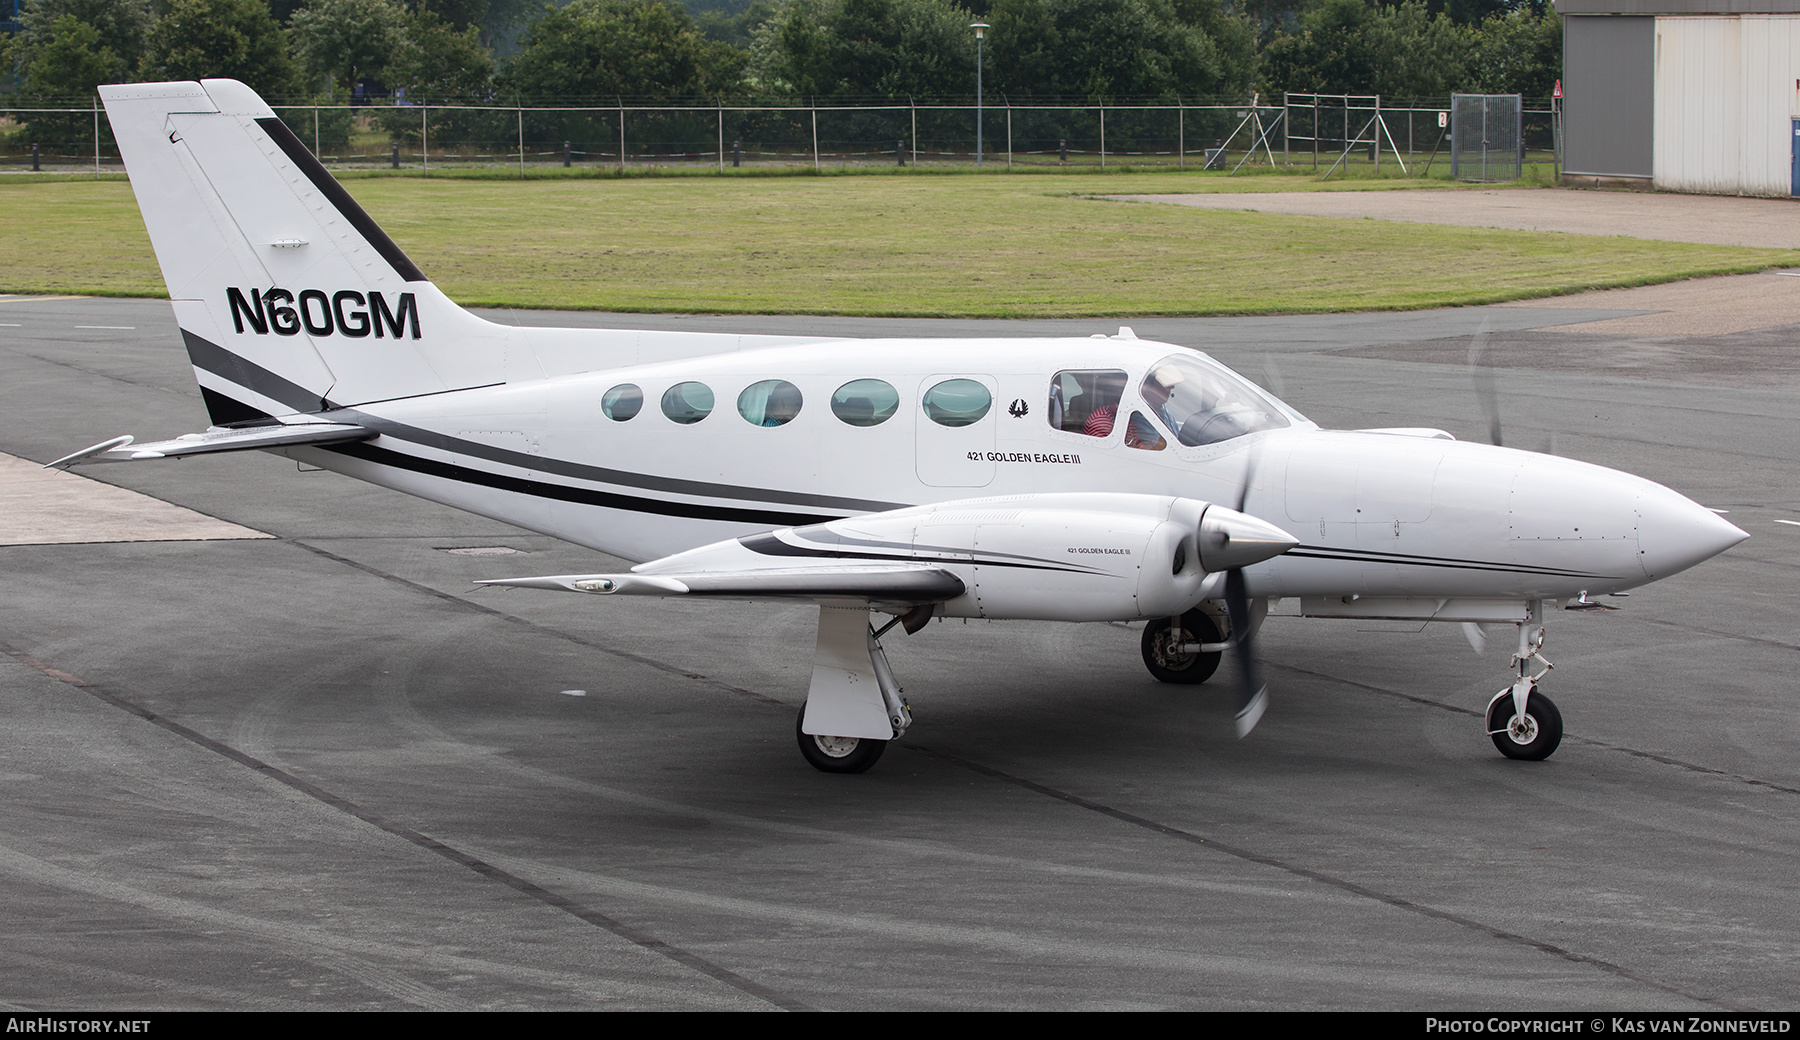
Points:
x=1097, y=479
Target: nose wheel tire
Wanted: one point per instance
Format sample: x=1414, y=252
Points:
x=1531, y=737
x=838, y=754
x=1163, y=654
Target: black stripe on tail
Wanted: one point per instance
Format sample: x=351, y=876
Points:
x=328, y=185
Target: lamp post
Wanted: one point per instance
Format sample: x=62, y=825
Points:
x=981, y=29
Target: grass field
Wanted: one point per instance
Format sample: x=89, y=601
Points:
x=989, y=246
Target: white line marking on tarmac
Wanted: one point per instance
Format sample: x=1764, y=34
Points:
x=1790, y=523
x=116, y=328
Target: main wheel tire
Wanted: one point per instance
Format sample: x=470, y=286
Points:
x=838, y=754
x=1172, y=665
x=1532, y=738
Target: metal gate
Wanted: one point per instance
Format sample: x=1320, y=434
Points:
x=1485, y=142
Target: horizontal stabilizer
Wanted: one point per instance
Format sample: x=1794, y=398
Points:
x=886, y=582
x=124, y=449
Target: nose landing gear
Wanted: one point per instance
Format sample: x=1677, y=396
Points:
x=1522, y=722
x=1184, y=649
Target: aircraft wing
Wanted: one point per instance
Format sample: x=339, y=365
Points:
x=885, y=582
x=1091, y=556
x=125, y=449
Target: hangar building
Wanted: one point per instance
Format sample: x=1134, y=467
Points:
x=1682, y=95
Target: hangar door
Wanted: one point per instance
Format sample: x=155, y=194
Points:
x=1608, y=83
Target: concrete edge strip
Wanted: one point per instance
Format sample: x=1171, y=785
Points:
x=513, y=881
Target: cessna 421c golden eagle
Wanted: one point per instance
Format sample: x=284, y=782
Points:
x=1096, y=479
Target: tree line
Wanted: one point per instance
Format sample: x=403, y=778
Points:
x=510, y=51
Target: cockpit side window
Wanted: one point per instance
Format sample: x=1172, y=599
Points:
x=1086, y=401
x=1206, y=404
x=1141, y=433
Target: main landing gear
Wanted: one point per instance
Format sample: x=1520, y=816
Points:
x=837, y=754
x=854, y=706
x=1522, y=722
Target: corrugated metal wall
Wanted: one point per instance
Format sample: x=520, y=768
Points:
x=1726, y=90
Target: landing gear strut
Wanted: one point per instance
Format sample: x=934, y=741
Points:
x=1184, y=649
x=1522, y=722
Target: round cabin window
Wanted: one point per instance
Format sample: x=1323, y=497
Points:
x=865, y=402
x=772, y=402
x=687, y=403
x=957, y=402
x=622, y=402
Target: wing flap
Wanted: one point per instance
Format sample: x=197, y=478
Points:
x=886, y=582
x=125, y=449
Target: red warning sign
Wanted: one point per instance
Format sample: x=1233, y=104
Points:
x=1558, y=91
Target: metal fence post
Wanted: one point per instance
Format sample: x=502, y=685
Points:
x=721, y=135
x=1103, y=135
x=1009, y=133
x=521, y=109
x=914, y=105
x=424, y=139
x=1375, y=144
x=34, y=159
x=621, y=102
x=1180, y=133
x=316, y=152
x=815, y=124
x=96, y=135
x=568, y=153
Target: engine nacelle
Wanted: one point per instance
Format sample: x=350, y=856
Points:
x=1052, y=557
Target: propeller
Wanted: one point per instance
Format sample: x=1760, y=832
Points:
x=1231, y=540
x=1486, y=389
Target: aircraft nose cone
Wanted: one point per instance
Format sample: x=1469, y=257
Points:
x=1230, y=539
x=1675, y=532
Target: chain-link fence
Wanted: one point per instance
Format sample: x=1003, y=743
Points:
x=1487, y=139
x=1316, y=131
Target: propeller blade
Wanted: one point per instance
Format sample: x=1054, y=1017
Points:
x=1486, y=390
x=1233, y=539
x=1253, y=695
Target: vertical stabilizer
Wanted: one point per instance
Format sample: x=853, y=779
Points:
x=288, y=295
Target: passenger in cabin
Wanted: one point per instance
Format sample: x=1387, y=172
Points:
x=1086, y=402
x=784, y=404
x=1157, y=389
x=1140, y=434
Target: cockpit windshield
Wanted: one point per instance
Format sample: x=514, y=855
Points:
x=1206, y=404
